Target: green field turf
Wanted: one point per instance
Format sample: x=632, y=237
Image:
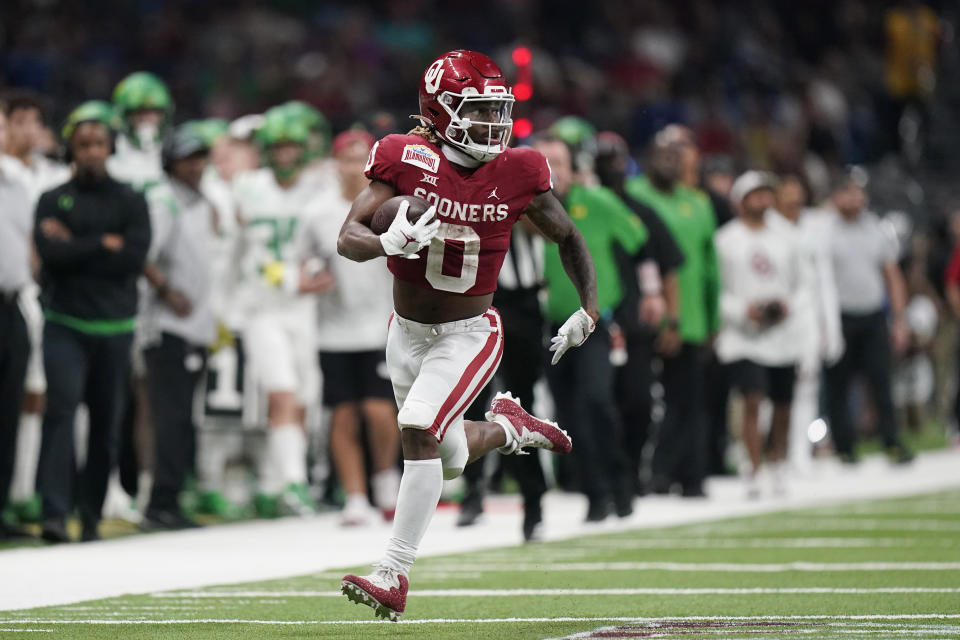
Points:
x=878, y=569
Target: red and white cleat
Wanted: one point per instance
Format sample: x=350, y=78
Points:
x=384, y=591
x=527, y=430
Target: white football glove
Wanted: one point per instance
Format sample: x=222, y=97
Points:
x=405, y=239
x=573, y=333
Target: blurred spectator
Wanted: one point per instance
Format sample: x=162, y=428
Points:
x=951, y=278
x=644, y=309
x=762, y=274
x=142, y=109
x=26, y=129
x=352, y=335
x=582, y=385
x=680, y=453
x=913, y=376
x=15, y=345
x=912, y=36
x=816, y=324
x=277, y=290
x=25, y=120
x=867, y=275
x=716, y=380
x=178, y=319
x=92, y=236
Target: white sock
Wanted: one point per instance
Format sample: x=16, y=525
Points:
x=24, y=481
x=386, y=487
x=286, y=458
x=510, y=432
x=420, y=489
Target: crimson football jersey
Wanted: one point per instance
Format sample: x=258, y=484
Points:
x=476, y=209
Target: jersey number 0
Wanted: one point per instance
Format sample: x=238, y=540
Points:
x=453, y=258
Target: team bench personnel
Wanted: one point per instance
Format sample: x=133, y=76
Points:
x=445, y=340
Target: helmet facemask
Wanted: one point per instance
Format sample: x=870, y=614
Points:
x=460, y=106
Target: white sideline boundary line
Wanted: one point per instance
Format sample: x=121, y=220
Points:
x=914, y=616
x=498, y=593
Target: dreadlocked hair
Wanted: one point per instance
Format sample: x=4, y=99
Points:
x=424, y=130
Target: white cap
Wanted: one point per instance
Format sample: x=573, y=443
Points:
x=244, y=126
x=747, y=183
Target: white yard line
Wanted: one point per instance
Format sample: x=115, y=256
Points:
x=758, y=543
x=499, y=593
x=244, y=552
x=721, y=567
x=830, y=523
x=635, y=620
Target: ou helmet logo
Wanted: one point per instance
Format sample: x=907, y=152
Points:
x=431, y=78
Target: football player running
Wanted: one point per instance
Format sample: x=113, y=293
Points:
x=273, y=203
x=445, y=340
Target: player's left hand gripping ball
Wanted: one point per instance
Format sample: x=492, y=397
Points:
x=573, y=333
x=406, y=239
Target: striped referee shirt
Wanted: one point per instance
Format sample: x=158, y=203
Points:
x=522, y=268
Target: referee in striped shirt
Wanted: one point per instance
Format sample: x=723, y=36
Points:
x=516, y=298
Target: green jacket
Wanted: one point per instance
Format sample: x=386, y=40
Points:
x=690, y=218
x=603, y=220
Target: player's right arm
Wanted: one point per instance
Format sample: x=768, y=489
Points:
x=356, y=241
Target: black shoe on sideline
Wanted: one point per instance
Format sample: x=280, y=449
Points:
x=91, y=533
x=13, y=532
x=532, y=522
x=899, y=454
x=470, y=511
x=54, y=530
x=694, y=490
x=660, y=485
x=597, y=511
x=156, y=520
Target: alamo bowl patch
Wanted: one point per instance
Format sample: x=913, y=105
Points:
x=420, y=155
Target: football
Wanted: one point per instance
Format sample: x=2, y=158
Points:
x=384, y=215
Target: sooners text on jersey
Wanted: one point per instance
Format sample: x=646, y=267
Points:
x=476, y=209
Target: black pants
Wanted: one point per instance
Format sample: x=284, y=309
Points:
x=716, y=397
x=174, y=369
x=582, y=388
x=519, y=369
x=681, y=446
x=868, y=352
x=633, y=382
x=80, y=368
x=14, y=353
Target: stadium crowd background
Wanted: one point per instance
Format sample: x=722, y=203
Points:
x=805, y=88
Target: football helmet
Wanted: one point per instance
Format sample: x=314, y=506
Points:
x=90, y=111
x=283, y=125
x=318, y=145
x=452, y=88
x=142, y=91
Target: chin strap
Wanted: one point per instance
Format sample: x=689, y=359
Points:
x=457, y=156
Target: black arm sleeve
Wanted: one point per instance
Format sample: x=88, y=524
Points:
x=136, y=241
x=60, y=255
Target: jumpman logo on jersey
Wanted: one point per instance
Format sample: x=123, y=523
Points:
x=493, y=194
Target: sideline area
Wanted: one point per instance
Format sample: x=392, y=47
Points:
x=243, y=552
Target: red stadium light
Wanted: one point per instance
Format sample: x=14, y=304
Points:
x=522, y=56
x=522, y=91
x=522, y=127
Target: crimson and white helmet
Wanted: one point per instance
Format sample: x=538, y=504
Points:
x=450, y=89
